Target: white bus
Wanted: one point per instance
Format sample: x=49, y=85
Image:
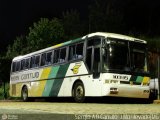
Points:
x=98, y=64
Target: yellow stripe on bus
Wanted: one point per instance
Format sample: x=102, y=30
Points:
x=146, y=80
x=39, y=86
x=45, y=73
x=55, y=46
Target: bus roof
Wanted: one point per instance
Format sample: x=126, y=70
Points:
x=114, y=35
x=103, y=34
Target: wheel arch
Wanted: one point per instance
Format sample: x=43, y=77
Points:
x=78, y=80
x=23, y=86
x=24, y=93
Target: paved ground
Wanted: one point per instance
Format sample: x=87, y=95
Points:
x=77, y=108
x=156, y=101
x=67, y=108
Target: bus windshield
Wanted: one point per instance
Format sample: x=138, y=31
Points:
x=123, y=56
x=116, y=55
x=138, y=55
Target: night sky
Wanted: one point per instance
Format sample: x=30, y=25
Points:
x=17, y=15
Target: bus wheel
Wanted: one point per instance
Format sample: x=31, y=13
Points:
x=79, y=92
x=24, y=94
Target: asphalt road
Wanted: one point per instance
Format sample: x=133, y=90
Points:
x=68, y=110
x=77, y=108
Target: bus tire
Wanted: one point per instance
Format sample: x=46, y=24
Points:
x=24, y=94
x=79, y=92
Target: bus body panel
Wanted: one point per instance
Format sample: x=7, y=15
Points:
x=49, y=81
x=45, y=83
x=58, y=79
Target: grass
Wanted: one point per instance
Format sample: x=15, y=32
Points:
x=6, y=94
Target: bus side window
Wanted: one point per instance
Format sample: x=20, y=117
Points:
x=27, y=63
x=49, y=58
x=72, y=52
x=13, y=66
x=43, y=59
x=76, y=51
x=79, y=50
x=23, y=64
x=37, y=61
x=56, y=56
x=92, y=55
x=62, y=57
x=18, y=65
x=89, y=59
x=32, y=62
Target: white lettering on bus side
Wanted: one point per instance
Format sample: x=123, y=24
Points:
x=15, y=78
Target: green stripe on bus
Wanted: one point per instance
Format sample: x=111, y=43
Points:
x=71, y=41
x=67, y=43
x=139, y=79
x=62, y=71
x=76, y=40
x=49, y=83
x=57, y=83
x=54, y=72
x=55, y=87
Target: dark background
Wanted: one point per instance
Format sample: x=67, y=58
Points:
x=17, y=15
x=140, y=17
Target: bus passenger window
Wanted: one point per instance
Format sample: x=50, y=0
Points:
x=62, y=55
x=18, y=65
x=23, y=64
x=43, y=59
x=76, y=51
x=79, y=50
x=48, y=58
x=56, y=56
x=14, y=67
x=27, y=63
x=32, y=62
x=37, y=61
x=72, y=52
